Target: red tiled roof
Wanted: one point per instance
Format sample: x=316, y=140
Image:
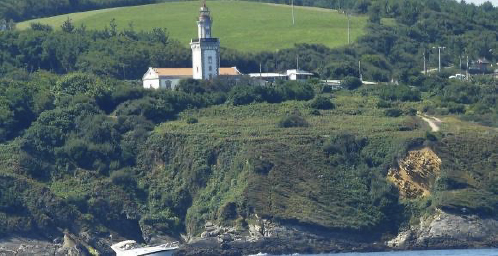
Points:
x=174, y=71
x=189, y=72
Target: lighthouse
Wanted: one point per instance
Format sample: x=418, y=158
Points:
x=205, y=48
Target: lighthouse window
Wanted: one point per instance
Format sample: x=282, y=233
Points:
x=210, y=68
x=210, y=59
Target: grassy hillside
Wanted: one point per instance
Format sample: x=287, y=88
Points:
x=243, y=26
x=285, y=172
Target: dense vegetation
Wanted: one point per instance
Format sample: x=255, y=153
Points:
x=19, y=10
x=85, y=149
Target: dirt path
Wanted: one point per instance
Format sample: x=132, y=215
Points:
x=433, y=122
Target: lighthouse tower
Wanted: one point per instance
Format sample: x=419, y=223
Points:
x=205, y=49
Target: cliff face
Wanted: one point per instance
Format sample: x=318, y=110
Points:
x=446, y=230
x=416, y=173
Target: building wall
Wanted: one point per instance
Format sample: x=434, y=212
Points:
x=210, y=63
x=196, y=60
x=151, y=83
x=205, y=59
x=170, y=83
x=150, y=79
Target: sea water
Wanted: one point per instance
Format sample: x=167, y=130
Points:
x=470, y=252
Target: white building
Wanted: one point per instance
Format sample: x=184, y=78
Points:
x=292, y=74
x=205, y=60
x=295, y=74
x=169, y=78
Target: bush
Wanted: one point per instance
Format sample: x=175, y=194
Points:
x=261, y=166
x=191, y=120
x=411, y=112
x=393, y=112
x=351, y=83
x=315, y=112
x=399, y=92
x=383, y=104
x=293, y=120
x=123, y=177
x=430, y=136
x=321, y=102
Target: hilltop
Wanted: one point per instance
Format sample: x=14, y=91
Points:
x=244, y=26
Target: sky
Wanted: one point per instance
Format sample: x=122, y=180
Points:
x=478, y=2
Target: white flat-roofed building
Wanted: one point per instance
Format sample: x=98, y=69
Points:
x=269, y=76
x=295, y=74
x=291, y=74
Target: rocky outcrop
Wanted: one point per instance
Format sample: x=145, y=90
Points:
x=416, y=173
x=26, y=246
x=445, y=230
x=265, y=235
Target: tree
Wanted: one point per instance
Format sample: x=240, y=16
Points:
x=68, y=26
x=294, y=120
x=374, y=13
x=321, y=102
x=351, y=83
x=37, y=26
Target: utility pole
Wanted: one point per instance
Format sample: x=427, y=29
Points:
x=467, y=67
x=439, y=48
x=359, y=69
x=293, y=19
x=425, y=67
x=349, y=28
x=297, y=62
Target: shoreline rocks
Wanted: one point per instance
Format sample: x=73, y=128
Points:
x=440, y=231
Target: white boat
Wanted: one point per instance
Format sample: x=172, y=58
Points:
x=131, y=248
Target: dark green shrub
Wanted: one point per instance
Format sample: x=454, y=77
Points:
x=321, y=102
x=399, y=92
x=261, y=166
x=80, y=201
x=411, y=112
x=351, y=83
x=384, y=104
x=293, y=120
x=430, y=136
x=393, y=112
x=191, y=120
x=123, y=177
x=315, y=112
x=455, y=108
x=228, y=211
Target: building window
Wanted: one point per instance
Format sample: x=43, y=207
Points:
x=210, y=60
x=197, y=69
x=210, y=68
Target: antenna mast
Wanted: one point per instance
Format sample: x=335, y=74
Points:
x=293, y=19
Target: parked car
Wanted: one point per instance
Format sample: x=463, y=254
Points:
x=458, y=76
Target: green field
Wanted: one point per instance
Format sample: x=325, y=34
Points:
x=244, y=26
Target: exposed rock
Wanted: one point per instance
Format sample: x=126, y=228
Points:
x=416, y=173
x=464, y=229
x=26, y=246
x=445, y=230
x=402, y=240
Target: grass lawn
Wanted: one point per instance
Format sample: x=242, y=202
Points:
x=244, y=26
